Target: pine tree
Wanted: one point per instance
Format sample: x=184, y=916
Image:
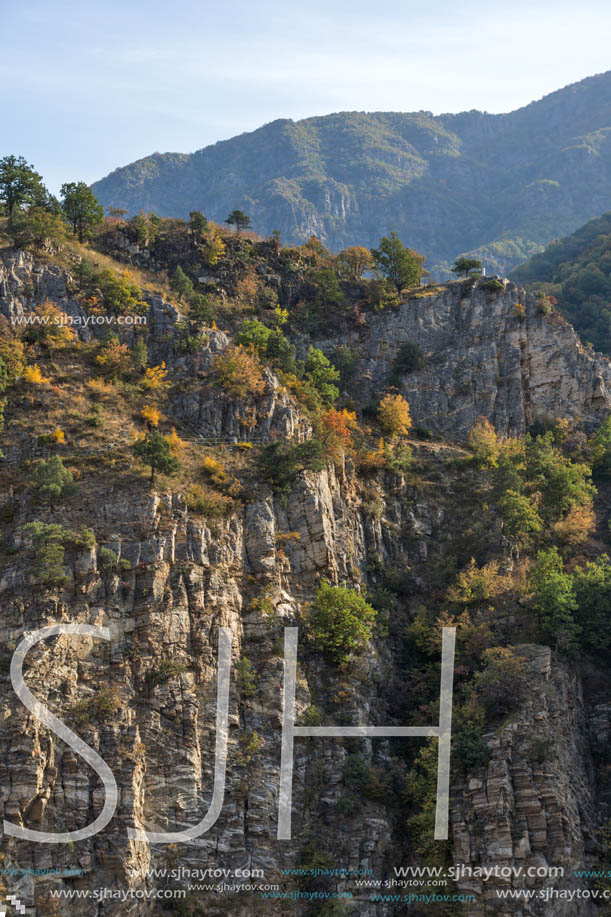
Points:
x=181, y=284
x=155, y=450
x=81, y=208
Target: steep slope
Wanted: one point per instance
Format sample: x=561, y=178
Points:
x=499, y=185
x=164, y=567
x=495, y=354
x=576, y=271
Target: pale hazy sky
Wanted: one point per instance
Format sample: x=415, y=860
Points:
x=86, y=87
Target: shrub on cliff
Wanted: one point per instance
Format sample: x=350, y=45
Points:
x=53, y=481
x=114, y=358
x=502, y=684
x=281, y=463
x=562, y=482
x=492, y=285
x=341, y=622
x=50, y=331
x=122, y=295
x=47, y=541
x=601, y=449
x=336, y=433
x=238, y=372
x=409, y=359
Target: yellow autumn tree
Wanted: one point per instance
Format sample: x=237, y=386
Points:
x=34, y=376
x=483, y=442
x=155, y=378
x=212, y=247
x=176, y=443
x=12, y=355
x=577, y=525
x=394, y=416
x=51, y=328
x=151, y=415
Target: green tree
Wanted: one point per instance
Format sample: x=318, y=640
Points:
x=144, y=227
x=256, y=333
x=201, y=309
x=155, y=450
x=554, y=599
x=48, y=543
x=520, y=517
x=270, y=343
x=562, y=482
x=281, y=463
x=239, y=219
x=20, y=184
x=53, y=481
x=139, y=355
x=399, y=264
x=81, y=207
x=198, y=222
x=35, y=228
x=592, y=585
x=322, y=376
x=467, y=266
x=280, y=352
x=328, y=290
x=601, y=449
x=121, y=294
x=341, y=622
x=181, y=284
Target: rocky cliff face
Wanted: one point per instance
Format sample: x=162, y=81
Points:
x=180, y=578
x=486, y=353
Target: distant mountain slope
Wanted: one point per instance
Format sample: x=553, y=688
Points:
x=577, y=270
x=500, y=185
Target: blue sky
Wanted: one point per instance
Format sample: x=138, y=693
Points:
x=87, y=87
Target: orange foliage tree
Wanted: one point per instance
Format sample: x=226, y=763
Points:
x=114, y=359
x=354, y=260
x=238, y=371
x=336, y=432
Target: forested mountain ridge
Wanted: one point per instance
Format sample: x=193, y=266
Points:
x=499, y=185
x=577, y=272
